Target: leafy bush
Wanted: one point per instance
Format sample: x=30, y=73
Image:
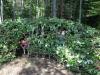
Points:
x=76, y=48
x=10, y=33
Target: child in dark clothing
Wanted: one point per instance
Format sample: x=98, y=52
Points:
x=22, y=47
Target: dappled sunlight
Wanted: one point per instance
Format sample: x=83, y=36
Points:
x=33, y=66
x=68, y=42
x=13, y=67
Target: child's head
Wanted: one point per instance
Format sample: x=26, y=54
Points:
x=23, y=38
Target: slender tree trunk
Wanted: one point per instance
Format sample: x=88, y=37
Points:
x=62, y=8
x=43, y=6
x=80, y=11
x=71, y=9
x=30, y=9
x=22, y=6
x=1, y=17
x=14, y=9
x=46, y=5
x=54, y=13
x=37, y=9
x=74, y=9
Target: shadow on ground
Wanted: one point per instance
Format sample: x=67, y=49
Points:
x=34, y=66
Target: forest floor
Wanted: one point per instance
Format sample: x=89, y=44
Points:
x=33, y=66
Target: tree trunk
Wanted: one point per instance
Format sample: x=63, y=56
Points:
x=22, y=6
x=46, y=6
x=14, y=9
x=62, y=8
x=1, y=17
x=54, y=8
x=71, y=9
x=80, y=11
x=37, y=8
x=30, y=9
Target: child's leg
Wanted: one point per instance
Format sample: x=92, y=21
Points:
x=24, y=51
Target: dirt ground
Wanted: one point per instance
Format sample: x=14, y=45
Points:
x=33, y=66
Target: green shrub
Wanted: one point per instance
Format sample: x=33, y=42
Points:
x=10, y=33
x=76, y=48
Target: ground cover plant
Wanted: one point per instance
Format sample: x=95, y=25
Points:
x=76, y=45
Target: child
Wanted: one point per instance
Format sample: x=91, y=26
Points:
x=22, y=47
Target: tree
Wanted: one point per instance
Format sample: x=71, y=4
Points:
x=54, y=13
x=1, y=13
x=22, y=6
x=80, y=11
x=62, y=8
x=14, y=7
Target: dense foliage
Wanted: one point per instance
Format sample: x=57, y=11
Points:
x=86, y=12
x=64, y=8
x=77, y=49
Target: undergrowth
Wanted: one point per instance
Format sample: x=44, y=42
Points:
x=77, y=48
